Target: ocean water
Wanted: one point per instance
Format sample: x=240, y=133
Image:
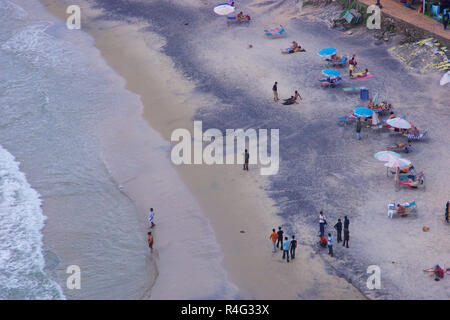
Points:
x=59, y=202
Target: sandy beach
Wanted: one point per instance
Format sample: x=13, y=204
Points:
x=171, y=56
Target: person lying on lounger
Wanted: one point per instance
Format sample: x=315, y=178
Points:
x=392, y=115
x=404, y=145
x=400, y=209
x=240, y=17
x=365, y=72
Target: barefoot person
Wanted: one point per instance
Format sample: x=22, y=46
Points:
x=150, y=241
x=275, y=92
x=151, y=218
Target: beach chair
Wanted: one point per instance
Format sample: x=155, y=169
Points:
x=353, y=89
x=347, y=119
x=419, y=181
x=338, y=63
x=415, y=137
x=326, y=84
x=409, y=208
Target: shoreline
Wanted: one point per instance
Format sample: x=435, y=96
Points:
x=213, y=180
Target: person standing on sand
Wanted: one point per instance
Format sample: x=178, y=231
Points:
x=151, y=218
x=280, y=238
x=286, y=244
x=445, y=20
x=293, y=247
x=330, y=244
x=274, y=237
x=346, y=223
x=351, y=65
x=358, y=129
x=150, y=241
x=275, y=91
x=322, y=223
x=246, y=158
x=346, y=238
x=338, y=227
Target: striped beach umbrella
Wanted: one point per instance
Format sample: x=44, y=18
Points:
x=399, y=123
x=400, y=163
x=387, y=156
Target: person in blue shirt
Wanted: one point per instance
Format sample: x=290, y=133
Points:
x=330, y=244
x=286, y=245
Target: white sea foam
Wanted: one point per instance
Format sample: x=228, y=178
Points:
x=22, y=263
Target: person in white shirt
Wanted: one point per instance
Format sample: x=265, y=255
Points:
x=151, y=218
x=322, y=223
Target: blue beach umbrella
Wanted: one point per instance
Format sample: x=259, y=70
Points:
x=327, y=52
x=363, y=112
x=331, y=73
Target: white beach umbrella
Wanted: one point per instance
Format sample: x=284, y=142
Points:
x=387, y=156
x=400, y=163
x=223, y=9
x=445, y=78
x=399, y=123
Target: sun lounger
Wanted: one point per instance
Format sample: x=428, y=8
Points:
x=325, y=83
x=418, y=181
x=347, y=119
x=416, y=137
x=353, y=89
x=233, y=19
x=409, y=208
x=338, y=63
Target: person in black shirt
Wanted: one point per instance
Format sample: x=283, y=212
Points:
x=280, y=238
x=445, y=20
x=246, y=158
x=346, y=238
x=275, y=92
x=293, y=247
x=338, y=227
x=346, y=223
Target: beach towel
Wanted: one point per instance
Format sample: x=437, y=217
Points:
x=360, y=76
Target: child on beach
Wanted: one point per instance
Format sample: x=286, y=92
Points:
x=322, y=242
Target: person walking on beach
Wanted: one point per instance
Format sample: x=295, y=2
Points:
x=322, y=223
x=246, y=158
x=445, y=20
x=275, y=91
x=346, y=223
x=358, y=129
x=273, y=238
x=151, y=218
x=280, y=238
x=447, y=212
x=330, y=244
x=346, y=238
x=293, y=247
x=286, y=244
x=338, y=227
x=150, y=241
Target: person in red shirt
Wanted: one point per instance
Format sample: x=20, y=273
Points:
x=274, y=238
x=323, y=241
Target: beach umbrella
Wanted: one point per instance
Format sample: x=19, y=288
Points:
x=445, y=78
x=399, y=123
x=223, y=9
x=387, y=156
x=331, y=73
x=363, y=112
x=327, y=52
x=400, y=163
x=274, y=30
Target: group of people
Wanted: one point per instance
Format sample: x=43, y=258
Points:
x=324, y=242
x=291, y=100
x=287, y=246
